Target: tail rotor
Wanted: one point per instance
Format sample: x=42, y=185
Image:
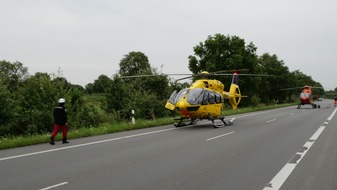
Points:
x=234, y=94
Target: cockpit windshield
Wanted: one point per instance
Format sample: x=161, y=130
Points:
x=195, y=96
x=180, y=95
x=175, y=97
x=306, y=95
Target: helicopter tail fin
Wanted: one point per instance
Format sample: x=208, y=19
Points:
x=234, y=94
x=235, y=79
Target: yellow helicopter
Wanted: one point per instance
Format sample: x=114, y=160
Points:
x=204, y=99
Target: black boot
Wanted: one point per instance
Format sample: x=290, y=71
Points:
x=64, y=140
x=52, y=141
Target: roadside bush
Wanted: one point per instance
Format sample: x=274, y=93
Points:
x=87, y=117
x=255, y=101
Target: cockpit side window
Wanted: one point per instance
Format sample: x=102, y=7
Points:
x=205, y=97
x=173, y=97
x=218, y=98
x=211, y=98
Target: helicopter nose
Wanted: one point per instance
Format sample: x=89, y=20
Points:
x=183, y=107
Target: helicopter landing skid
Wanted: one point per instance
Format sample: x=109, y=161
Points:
x=224, y=123
x=181, y=124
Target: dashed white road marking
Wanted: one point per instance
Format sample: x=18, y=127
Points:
x=220, y=136
x=285, y=172
x=54, y=186
x=270, y=120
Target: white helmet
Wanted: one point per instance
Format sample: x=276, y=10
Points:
x=61, y=101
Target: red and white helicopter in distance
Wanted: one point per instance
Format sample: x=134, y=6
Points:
x=306, y=96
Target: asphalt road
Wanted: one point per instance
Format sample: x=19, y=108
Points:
x=285, y=148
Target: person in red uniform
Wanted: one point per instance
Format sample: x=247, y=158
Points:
x=60, y=122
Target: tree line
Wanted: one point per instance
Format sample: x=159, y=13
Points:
x=27, y=100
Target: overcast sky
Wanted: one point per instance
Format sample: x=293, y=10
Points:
x=88, y=38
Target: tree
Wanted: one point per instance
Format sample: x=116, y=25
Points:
x=27, y=102
x=38, y=99
x=62, y=86
x=270, y=87
x=302, y=79
x=102, y=84
x=134, y=63
x=119, y=97
x=89, y=88
x=7, y=110
x=145, y=95
x=221, y=52
x=156, y=84
x=12, y=75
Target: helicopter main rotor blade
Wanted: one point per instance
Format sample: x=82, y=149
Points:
x=229, y=71
x=256, y=75
x=139, y=76
x=184, y=78
x=300, y=87
x=293, y=88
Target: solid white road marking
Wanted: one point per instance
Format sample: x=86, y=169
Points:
x=270, y=120
x=54, y=186
x=284, y=173
x=85, y=144
x=220, y=136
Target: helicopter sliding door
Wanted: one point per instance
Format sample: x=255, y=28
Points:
x=214, y=107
